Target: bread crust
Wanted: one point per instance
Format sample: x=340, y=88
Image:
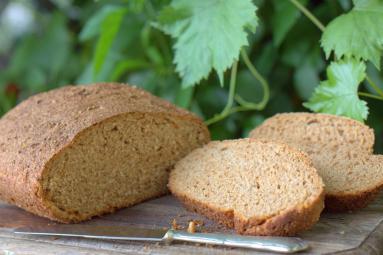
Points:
x=286, y=223
x=350, y=202
x=38, y=129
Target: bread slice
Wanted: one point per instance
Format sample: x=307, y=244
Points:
x=256, y=187
x=77, y=152
x=353, y=184
x=341, y=150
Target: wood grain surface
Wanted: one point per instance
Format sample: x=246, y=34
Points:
x=359, y=232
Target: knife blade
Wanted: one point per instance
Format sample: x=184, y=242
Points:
x=96, y=232
x=275, y=244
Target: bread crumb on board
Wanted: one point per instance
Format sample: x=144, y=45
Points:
x=191, y=227
x=175, y=226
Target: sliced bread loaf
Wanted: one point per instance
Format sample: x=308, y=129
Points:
x=341, y=151
x=82, y=151
x=256, y=187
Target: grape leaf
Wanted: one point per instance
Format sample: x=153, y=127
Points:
x=209, y=35
x=339, y=94
x=359, y=33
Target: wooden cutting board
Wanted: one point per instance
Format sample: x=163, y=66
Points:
x=347, y=233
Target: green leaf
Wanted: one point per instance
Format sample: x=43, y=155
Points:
x=305, y=80
x=359, y=33
x=284, y=18
x=184, y=97
x=169, y=15
x=266, y=59
x=250, y=123
x=56, y=37
x=209, y=37
x=306, y=75
x=127, y=66
x=136, y=6
x=93, y=25
x=339, y=94
x=248, y=87
x=109, y=29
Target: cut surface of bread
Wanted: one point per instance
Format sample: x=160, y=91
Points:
x=256, y=187
x=353, y=184
x=341, y=150
x=77, y=152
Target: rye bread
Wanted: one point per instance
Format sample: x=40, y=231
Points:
x=81, y=151
x=341, y=150
x=255, y=187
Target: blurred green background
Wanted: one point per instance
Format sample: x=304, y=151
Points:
x=51, y=43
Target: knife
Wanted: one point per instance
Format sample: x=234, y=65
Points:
x=275, y=244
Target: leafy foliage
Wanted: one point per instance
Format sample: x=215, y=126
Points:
x=209, y=35
x=358, y=33
x=92, y=27
x=66, y=40
x=339, y=94
x=109, y=29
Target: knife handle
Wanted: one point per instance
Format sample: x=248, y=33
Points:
x=275, y=244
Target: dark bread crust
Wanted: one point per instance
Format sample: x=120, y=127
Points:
x=39, y=128
x=286, y=223
x=350, y=202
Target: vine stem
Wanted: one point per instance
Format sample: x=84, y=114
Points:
x=244, y=105
x=227, y=110
x=308, y=14
x=374, y=86
x=370, y=95
x=321, y=27
x=265, y=86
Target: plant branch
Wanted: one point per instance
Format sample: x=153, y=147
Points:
x=308, y=14
x=265, y=86
x=370, y=95
x=244, y=105
x=374, y=86
x=227, y=110
x=321, y=27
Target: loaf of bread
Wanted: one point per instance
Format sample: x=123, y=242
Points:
x=341, y=150
x=256, y=187
x=81, y=151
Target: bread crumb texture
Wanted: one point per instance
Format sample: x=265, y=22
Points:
x=341, y=150
x=256, y=187
x=81, y=151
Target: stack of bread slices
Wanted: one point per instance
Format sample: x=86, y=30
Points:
x=272, y=183
x=82, y=151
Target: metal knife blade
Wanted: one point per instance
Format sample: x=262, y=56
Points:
x=275, y=244
x=97, y=232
